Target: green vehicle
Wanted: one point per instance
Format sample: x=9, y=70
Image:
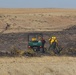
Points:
x=34, y=43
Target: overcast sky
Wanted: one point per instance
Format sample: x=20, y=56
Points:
x=37, y=3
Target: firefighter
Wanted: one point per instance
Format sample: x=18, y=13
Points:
x=42, y=40
x=39, y=39
x=53, y=42
x=43, y=43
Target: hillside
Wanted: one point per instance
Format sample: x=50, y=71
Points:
x=24, y=20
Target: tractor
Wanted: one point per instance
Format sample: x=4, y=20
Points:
x=34, y=42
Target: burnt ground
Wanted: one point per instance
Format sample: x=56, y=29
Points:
x=66, y=38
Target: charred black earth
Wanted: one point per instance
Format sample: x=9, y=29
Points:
x=66, y=39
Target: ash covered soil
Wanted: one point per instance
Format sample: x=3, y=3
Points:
x=66, y=39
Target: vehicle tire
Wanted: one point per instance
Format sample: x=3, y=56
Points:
x=42, y=50
x=35, y=49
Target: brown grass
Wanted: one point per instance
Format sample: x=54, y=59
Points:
x=38, y=66
x=30, y=10
x=24, y=20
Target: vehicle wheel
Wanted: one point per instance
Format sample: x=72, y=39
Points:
x=35, y=49
x=42, y=50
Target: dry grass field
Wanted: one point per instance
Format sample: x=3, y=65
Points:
x=24, y=20
x=38, y=65
x=58, y=22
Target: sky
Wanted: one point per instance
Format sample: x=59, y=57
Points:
x=37, y=3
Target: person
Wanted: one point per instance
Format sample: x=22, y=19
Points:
x=39, y=39
x=53, y=42
x=43, y=43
